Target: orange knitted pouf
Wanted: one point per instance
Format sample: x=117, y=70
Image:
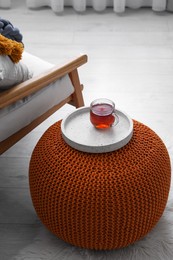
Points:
x=100, y=201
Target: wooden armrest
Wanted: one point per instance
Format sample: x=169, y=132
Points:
x=38, y=82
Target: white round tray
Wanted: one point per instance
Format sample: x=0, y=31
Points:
x=79, y=133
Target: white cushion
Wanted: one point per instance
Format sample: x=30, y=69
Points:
x=12, y=73
x=35, y=64
x=23, y=112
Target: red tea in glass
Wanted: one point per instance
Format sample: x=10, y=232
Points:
x=102, y=113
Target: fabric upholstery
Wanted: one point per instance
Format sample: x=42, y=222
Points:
x=23, y=112
x=12, y=73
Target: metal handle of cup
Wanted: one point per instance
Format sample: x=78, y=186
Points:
x=116, y=119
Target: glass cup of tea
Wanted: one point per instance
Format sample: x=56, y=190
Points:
x=103, y=114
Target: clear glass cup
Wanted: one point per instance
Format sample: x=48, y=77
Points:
x=103, y=113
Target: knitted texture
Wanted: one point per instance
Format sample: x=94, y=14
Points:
x=11, y=48
x=100, y=201
x=9, y=31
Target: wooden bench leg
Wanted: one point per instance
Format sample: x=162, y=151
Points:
x=77, y=95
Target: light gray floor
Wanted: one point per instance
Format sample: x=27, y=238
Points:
x=130, y=61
